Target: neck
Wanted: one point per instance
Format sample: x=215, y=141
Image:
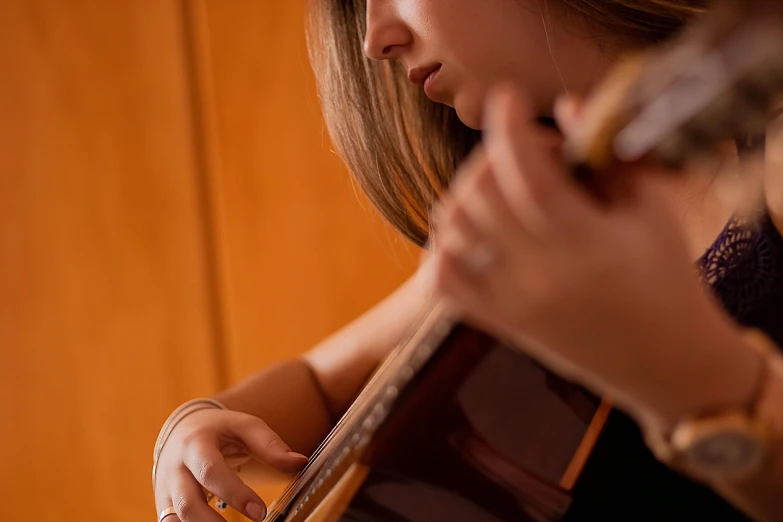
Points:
x=704, y=200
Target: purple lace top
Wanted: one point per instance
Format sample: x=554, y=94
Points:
x=744, y=268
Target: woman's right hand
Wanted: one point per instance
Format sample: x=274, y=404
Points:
x=200, y=454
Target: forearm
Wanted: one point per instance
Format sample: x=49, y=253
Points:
x=287, y=397
x=300, y=399
x=754, y=378
x=344, y=361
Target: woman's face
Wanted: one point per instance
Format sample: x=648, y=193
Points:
x=473, y=44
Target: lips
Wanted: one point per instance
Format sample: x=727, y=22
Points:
x=419, y=75
x=429, y=90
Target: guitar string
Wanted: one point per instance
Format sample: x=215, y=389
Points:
x=363, y=401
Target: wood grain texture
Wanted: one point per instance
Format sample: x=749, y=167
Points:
x=304, y=253
x=105, y=286
x=171, y=219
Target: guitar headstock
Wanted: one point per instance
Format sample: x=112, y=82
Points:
x=720, y=78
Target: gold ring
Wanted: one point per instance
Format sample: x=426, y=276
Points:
x=166, y=513
x=479, y=258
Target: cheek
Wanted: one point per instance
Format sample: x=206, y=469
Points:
x=475, y=68
x=485, y=43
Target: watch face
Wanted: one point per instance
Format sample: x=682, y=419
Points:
x=726, y=453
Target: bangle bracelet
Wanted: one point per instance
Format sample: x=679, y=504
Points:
x=178, y=414
x=173, y=420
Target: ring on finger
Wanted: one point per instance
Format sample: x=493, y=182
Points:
x=166, y=513
x=476, y=256
x=479, y=257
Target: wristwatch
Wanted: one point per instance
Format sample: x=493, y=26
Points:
x=729, y=445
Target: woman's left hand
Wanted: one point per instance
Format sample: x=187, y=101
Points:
x=604, y=293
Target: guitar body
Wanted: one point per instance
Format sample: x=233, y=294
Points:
x=481, y=433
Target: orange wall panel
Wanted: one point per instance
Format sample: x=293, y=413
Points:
x=105, y=288
x=304, y=253
x=171, y=219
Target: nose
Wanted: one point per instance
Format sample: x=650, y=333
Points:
x=387, y=34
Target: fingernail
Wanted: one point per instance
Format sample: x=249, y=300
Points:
x=297, y=455
x=566, y=111
x=256, y=511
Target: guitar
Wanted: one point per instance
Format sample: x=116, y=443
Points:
x=458, y=425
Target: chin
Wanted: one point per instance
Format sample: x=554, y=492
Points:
x=469, y=111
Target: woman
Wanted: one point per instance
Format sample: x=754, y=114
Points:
x=605, y=295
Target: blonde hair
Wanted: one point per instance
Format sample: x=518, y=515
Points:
x=400, y=147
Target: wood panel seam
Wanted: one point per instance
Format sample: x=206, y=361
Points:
x=208, y=169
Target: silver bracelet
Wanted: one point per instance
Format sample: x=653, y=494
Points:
x=175, y=418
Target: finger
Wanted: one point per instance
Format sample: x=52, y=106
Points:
x=461, y=184
x=455, y=232
x=264, y=444
x=454, y=283
x=537, y=187
x=471, y=295
x=188, y=499
x=476, y=191
x=473, y=162
x=567, y=112
x=489, y=211
x=209, y=468
x=462, y=240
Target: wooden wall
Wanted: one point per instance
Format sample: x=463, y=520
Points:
x=171, y=219
x=301, y=248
